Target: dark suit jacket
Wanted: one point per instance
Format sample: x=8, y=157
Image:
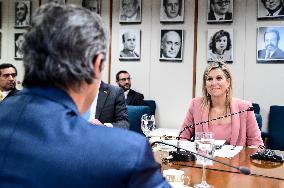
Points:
x=134, y=98
x=46, y=143
x=211, y=16
x=278, y=54
x=12, y=92
x=127, y=53
x=111, y=106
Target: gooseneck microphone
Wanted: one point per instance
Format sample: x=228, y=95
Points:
x=241, y=169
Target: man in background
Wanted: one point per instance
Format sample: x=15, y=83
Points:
x=132, y=97
x=8, y=74
x=129, y=44
x=130, y=11
x=172, y=8
x=274, y=7
x=92, y=5
x=271, y=41
x=219, y=10
x=44, y=140
x=171, y=45
x=22, y=12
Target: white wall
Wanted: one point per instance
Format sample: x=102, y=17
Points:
x=168, y=83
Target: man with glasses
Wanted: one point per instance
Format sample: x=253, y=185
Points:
x=8, y=73
x=274, y=7
x=132, y=97
x=219, y=10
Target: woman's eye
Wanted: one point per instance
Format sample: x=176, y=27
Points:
x=219, y=78
x=209, y=79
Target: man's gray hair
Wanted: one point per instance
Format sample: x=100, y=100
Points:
x=61, y=44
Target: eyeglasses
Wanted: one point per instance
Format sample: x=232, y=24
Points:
x=124, y=79
x=8, y=75
x=220, y=3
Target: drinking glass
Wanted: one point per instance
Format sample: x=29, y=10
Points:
x=147, y=124
x=204, y=145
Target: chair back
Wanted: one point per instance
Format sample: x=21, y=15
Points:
x=276, y=128
x=256, y=108
x=152, y=105
x=134, y=116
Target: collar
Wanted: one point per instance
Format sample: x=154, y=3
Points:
x=218, y=17
x=126, y=93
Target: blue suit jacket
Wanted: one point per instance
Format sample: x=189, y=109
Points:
x=45, y=143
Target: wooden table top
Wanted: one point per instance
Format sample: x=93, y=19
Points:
x=263, y=174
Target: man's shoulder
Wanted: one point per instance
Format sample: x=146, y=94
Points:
x=131, y=91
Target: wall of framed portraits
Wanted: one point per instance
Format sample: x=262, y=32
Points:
x=168, y=78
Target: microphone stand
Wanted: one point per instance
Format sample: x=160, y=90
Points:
x=188, y=156
x=243, y=170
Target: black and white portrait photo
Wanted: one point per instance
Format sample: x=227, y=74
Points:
x=130, y=11
x=220, y=45
x=270, y=9
x=22, y=13
x=19, y=40
x=129, y=41
x=220, y=11
x=62, y=2
x=171, y=47
x=172, y=11
x=270, y=44
x=92, y=5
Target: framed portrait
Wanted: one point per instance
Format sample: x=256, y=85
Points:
x=0, y=15
x=220, y=11
x=130, y=11
x=54, y=1
x=220, y=45
x=171, y=46
x=270, y=44
x=172, y=11
x=92, y=5
x=0, y=45
x=19, y=40
x=270, y=10
x=129, y=44
x=22, y=13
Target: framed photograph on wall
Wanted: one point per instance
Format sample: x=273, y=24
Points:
x=172, y=11
x=0, y=45
x=171, y=46
x=54, y=1
x=270, y=44
x=92, y=5
x=0, y=15
x=130, y=11
x=220, y=45
x=129, y=44
x=220, y=11
x=267, y=9
x=22, y=13
x=19, y=40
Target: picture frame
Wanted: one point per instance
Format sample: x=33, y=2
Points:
x=22, y=13
x=55, y=1
x=129, y=12
x=172, y=11
x=0, y=45
x=92, y=5
x=270, y=44
x=18, y=41
x=0, y=15
x=129, y=44
x=171, y=45
x=273, y=11
x=220, y=11
x=220, y=45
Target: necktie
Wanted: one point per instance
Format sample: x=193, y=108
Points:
x=267, y=55
x=1, y=96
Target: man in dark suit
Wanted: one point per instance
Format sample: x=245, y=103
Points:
x=129, y=44
x=271, y=51
x=132, y=97
x=110, y=108
x=44, y=141
x=8, y=74
x=219, y=10
x=274, y=7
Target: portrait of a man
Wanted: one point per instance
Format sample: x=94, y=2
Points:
x=172, y=11
x=171, y=45
x=92, y=5
x=62, y=2
x=269, y=41
x=22, y=13
x=130, y=11
x=130, y=44
x=220, y=45
x=19, y=40
x=220, y=11
x=270, y=9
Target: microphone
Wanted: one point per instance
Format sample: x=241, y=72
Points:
x=186, y=156
x=241, y=169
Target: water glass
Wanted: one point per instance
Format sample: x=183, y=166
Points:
x=147, y=124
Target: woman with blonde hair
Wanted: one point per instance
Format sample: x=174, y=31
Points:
x=240, y=129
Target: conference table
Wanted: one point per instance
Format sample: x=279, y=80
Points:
x=263, y=174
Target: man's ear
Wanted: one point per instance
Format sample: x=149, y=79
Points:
x=98, y=64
